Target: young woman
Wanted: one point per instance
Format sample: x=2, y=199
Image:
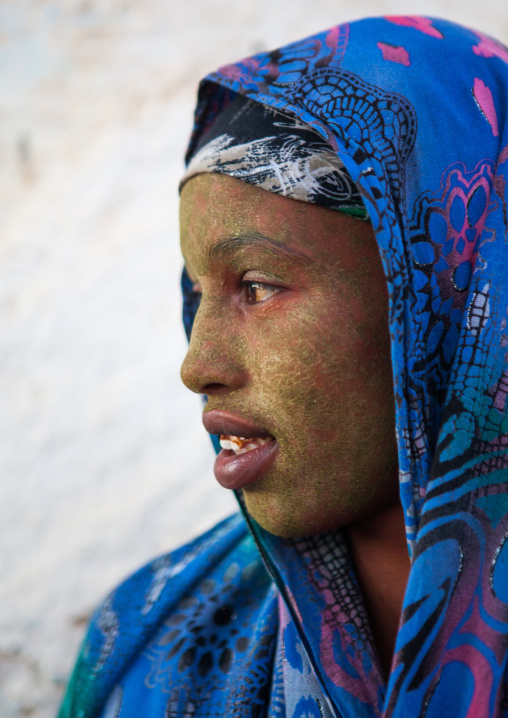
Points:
x=344, y=230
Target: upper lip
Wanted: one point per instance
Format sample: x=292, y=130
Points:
x=224, y=423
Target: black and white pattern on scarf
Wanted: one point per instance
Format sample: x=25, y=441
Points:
x=279, y=153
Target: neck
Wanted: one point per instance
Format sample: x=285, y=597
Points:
x=379, y=550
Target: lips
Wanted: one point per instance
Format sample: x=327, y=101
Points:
x=224, y=423
x=232, y=470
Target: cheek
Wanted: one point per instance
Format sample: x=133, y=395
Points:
x=315, y=363
x=326, y=386
x=287, y=361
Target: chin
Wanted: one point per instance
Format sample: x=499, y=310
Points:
x=292, y=522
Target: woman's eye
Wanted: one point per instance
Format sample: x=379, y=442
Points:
x=259, y=292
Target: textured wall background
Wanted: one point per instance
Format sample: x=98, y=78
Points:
x=103, y=459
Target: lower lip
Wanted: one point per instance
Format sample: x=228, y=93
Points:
x=234, y=471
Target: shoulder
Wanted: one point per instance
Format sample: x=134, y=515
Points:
x=149, y=590
x=133, y=612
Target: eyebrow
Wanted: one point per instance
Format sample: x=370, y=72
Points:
x=233, y=244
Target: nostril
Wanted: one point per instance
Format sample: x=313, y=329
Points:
x=214, y=389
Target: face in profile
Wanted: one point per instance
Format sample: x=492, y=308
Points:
x=290, y=344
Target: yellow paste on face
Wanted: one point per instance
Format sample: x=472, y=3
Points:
x=310, y=364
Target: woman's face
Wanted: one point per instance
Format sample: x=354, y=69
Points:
x=291, y=344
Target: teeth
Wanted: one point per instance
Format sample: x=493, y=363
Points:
x=240, y=445
x=237, y=442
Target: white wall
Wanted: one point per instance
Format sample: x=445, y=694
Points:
x=103, y=459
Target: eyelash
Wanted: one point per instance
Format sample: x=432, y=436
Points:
x=249, y=285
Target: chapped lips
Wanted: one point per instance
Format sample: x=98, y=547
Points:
x=247, y=450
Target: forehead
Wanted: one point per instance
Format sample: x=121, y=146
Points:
x=215, y=207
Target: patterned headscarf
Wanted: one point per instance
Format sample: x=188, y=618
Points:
x=416, y=110
x=277, y=152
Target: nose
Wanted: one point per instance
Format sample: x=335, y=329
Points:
x=213, y=364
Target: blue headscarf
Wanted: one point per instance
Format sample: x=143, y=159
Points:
x=416, y=110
